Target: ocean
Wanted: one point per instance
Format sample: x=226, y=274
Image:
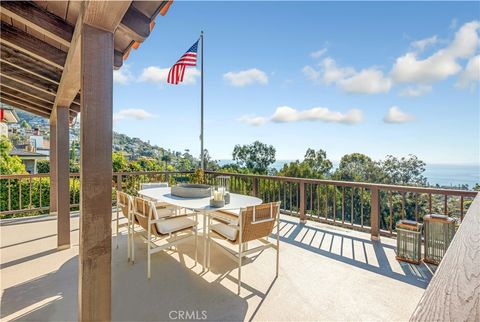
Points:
x=442, y=174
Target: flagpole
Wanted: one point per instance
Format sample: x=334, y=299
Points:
x=202, y=154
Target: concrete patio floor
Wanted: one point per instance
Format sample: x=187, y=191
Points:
x=326, y=273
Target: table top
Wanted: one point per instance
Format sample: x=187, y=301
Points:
x=237, y=201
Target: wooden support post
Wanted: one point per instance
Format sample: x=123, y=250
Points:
x=62, y=178
x=303, y=217
x=95, y=249
x=255, y=187
x=53, y=165
x=375, y=214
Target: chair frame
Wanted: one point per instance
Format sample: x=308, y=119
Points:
x=152, y=238
x=129, y=207
x=243, y=246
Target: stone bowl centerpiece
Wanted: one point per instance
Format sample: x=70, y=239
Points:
x=191, y=190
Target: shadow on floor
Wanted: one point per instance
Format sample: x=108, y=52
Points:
x=173, y=290
x=296, y=234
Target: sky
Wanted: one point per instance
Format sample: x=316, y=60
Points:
x=377, y=78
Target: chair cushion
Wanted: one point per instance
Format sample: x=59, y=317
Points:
x=175, y=224
x=227, y=231
x=228, y=217
x=165, y=212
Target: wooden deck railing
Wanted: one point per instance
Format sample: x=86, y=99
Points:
x=363, y=206
x=454, y=291
x=374, y=208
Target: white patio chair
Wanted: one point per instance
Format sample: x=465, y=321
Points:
x=125, y=206
x=252, y=223
x=158, y=227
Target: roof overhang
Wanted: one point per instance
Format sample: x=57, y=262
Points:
x=38, y=41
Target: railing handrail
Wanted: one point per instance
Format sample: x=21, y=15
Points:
x=380, y=186
x=454, y=292
x=366, y=185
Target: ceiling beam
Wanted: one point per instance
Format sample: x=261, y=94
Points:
x=30, y=65
x=26, y=78
x=105, y=15
x=25, y=107
x=32, y=46
x=39, y=19
x=101, y=14
x=70, y=81
x=26, y=102
x=135, y=24
x=25, y=97
x=12, y=84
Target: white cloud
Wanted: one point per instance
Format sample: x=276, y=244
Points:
x=132, y=114
x=422, y=44
x=471, y=74
x=332, y=73
x=441, y=64
x=415, y=91
x=367, y=81
x=123, y=75
x=246, y=77
x=288, y=114
x=253, y=120
x=395, y=115
x=154, y=74
x=311, y=73
x=319, y=53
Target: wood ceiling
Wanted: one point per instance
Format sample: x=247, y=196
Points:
x=35, y=40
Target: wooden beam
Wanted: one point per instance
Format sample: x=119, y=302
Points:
x=53, y=164
x=40, y=50
x=39, y=19
x=63, y=178
x=95, y=248
x=117, y=59
x=44, y=108
x=453, y=294
x=70, y=81
x=19, y=87
x=105, y=15
x=135, y=24
x=33, y=91
x=24, y=107
x=24, y=78
x=24, y=97
x=26, y=63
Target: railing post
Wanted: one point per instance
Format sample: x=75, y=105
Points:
x=255, y=187
x=375, y=214
x=119, y=182
x=303, y=217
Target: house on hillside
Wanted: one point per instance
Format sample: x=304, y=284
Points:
x=29, y=158
x=7, y=116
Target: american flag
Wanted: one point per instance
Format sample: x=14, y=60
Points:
x=176, y=73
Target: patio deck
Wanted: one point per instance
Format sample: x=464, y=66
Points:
x=326, y=273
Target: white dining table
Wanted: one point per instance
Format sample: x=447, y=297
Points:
x=202, y=205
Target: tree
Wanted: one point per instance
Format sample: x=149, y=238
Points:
x=9, y=164
x=119, y=162
x=314, y=165
x=24, y=124
x=256, y=157
x=404, y=171
x=43, y=166
x=358, y=167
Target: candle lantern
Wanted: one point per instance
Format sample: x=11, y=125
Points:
x=223, y=185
